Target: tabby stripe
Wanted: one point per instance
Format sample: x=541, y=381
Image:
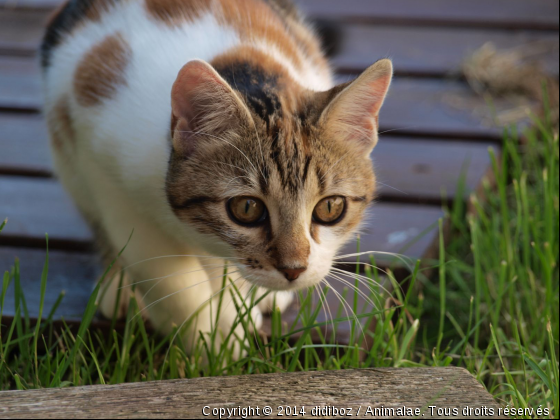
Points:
x=306, y=170
x=192, y=202
x=358, y=199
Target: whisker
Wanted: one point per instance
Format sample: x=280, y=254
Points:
x=365, y=280
x=393, y=188
x=173, y=294
x=345, y=305
x=173, y=274
x=353, y=285
x=179, y=272
x=332, y=167
x=225, y=141
x=403, y=258
x=340, y=299
x=329, y=313
x=401, y=128
x=194, y=313
x=357, y=289
x=177, y=256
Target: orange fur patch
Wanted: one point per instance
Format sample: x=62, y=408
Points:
x=253, y=20
x=101, y=71
x=60, y=124
x=174, y=12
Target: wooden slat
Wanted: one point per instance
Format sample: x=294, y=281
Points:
x=504, y=14
x=517, y=14
x=75, y=274
x=21, y=31
x=426, y=107
x=445, y=388
x=433, y=51
x=24, y=145
x=415, y=51
x=20, y=83
x=425, y=167
x=72, y=273
x=37, y=206
x=420, y=169
x=405, y=229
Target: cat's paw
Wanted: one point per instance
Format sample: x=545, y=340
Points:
x=281, y=299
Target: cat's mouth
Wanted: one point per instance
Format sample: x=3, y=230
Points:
x=284, y=278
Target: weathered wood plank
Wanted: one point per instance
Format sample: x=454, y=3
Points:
x=408, y=169
x=414, y=50
x=71, y=273
x=21, y=31
x=429, y=51
x=517, y=14
x=24, y=145
x=20, y=83
x=75, y=274
x=444, y=388
x=503, y=14
x=420, y=169
x=426, y=107
x=38, y=206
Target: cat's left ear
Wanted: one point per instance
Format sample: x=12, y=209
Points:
x=353, y=115
x=204, y=107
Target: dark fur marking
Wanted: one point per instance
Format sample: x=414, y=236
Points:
x=192, y=202
x=256, y=85
x=264, y=176
x=306, y=169
x=63, y=23
x=358, y=199
x=320, y=179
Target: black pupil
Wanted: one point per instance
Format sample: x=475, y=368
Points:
x=329, y=205
x=248, y=205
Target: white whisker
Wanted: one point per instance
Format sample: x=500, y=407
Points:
x=176, y=273
x=174, y=293
x=225, y=141
x=357, y=289
x=365, y=280
x=178, y=256
x=393, y=188
x=345, y=305
x=398, y=129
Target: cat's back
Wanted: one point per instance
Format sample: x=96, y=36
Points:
x=109, y=66
x=96, y=45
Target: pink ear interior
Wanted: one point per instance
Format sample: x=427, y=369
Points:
x=195, y=77
x=197, y=96
x=368, y=103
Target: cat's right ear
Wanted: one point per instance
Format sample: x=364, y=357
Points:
x=204, y=107
x=353, y=115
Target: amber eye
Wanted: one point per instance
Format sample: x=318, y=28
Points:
x=329, y=210
x=246, y=210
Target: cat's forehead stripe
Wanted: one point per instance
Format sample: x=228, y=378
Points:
x=101, y=70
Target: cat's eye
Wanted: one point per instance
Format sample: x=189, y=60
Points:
x=329, y=210
x=246, y=210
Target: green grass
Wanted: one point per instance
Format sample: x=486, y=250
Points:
x=491, y=306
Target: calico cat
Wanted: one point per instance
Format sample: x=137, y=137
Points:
x=211, y=130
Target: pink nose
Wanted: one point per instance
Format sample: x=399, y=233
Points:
x=292, y=274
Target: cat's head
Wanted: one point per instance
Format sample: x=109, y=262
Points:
x=276, y=176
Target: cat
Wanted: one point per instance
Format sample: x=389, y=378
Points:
x=212, y=131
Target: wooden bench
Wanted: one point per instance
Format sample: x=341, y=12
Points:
x=428, y=143
x=363, y=393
